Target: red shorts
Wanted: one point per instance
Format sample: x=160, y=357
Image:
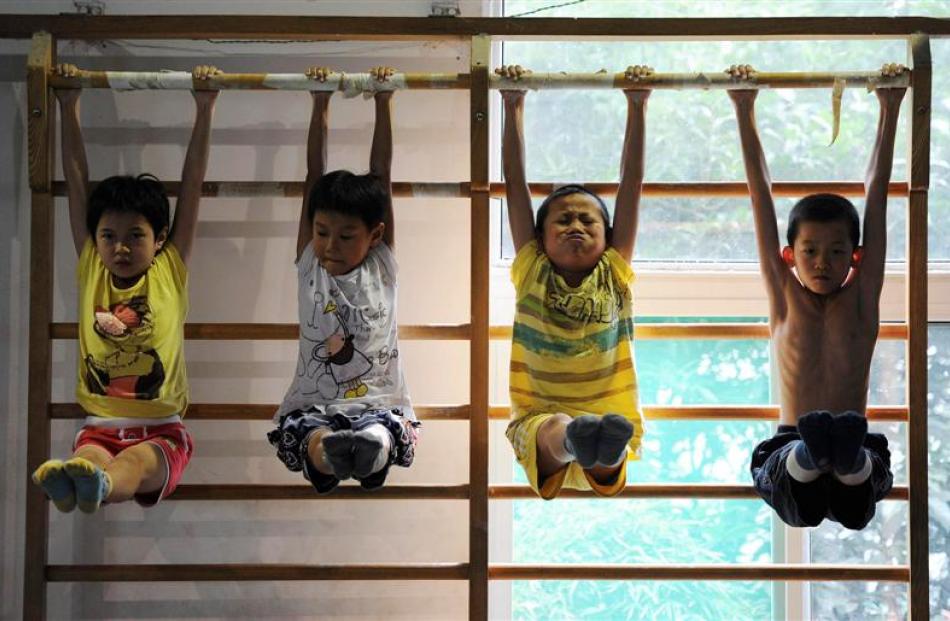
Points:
x=171, y=439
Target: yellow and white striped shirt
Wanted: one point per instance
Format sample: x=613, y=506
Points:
x=572, y=348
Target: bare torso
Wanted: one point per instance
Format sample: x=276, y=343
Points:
x=823, y=345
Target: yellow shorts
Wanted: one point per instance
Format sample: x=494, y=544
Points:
x=523, y=435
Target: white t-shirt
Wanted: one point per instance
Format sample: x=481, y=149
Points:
x=348, y=359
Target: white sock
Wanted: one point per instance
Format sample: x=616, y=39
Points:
x=799, y=472
x=859, y=477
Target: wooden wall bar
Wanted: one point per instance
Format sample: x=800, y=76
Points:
x=333, y=28
x=916, y=283
x=461, y=189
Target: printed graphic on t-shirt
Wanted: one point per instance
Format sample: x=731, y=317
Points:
x=132, y=369
x=336, y=367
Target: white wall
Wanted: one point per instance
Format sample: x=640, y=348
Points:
x=242, y=271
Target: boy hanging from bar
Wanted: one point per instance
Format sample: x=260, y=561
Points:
x=347, y=412
x=133, y=299
x=824, y=296
x=574, y=405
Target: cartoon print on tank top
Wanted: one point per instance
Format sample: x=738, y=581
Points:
x=342, y=365
x=132, y=368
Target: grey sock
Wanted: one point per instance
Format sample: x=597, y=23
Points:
x=615, y=432
x=370, y=453
x=338, y=448
x=581, y=439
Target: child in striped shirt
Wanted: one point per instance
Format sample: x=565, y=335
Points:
x=575, y=413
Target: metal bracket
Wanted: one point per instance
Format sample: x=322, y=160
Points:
x=89, y=7
x=445, y=8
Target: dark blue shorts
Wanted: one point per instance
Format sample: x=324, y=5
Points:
x=807, y=504
x=292, y=436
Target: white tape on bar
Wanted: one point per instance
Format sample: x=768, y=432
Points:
x=437, y=190
x=365, y=84
x=300, y=82
x=156, y=80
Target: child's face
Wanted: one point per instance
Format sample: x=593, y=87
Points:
x=341, y=241
x=822, y=254
x=127, y=244
x=574, y=233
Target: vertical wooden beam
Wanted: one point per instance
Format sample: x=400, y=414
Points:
x=478, y=348
x=40, y=128
x=919, y=165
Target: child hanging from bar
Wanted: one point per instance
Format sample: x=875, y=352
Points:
x=347, y=412
x=574, y=405
x=133, y=299
x=824, y=296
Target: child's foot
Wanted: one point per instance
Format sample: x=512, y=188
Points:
x=338, y=449
x=91, y=482
x=815, y=430
x=847, y=434
x=615, y=432
x=370, y=451
x=57, y=484
x=581, y=439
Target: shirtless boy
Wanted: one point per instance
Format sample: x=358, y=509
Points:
x=824, y=293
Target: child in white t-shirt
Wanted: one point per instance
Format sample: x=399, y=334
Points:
x=347, y=412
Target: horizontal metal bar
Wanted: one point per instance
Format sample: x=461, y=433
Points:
x=455, y=332
x=335, y=28
x=775, y=572
x=717, y=80
x=462, y=189
x=265, y=412
x=232, y=572
x=352, y=84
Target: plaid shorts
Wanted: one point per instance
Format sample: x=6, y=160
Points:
x=291, y=438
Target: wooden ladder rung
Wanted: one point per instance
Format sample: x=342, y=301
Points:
x=457, y=332
x=244, y=572
x=783, y=572
x=265, y=411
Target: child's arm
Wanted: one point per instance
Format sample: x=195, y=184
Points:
x=632, y=163
x=381, y=154
x=193, y=170
x=75, y=168
x=316, y=152
x=871, y=272
x=774, y=269
x=520, y=214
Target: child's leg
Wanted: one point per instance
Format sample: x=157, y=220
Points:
x=796, y=503
x=553, y=453
x=139, y=469
x=856, y=493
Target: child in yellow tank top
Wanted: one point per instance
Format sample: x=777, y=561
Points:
x=575, y=413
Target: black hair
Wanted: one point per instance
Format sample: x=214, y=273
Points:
x=824, y=208
x=143, y=194
x=567, y=190
x=361, y=196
